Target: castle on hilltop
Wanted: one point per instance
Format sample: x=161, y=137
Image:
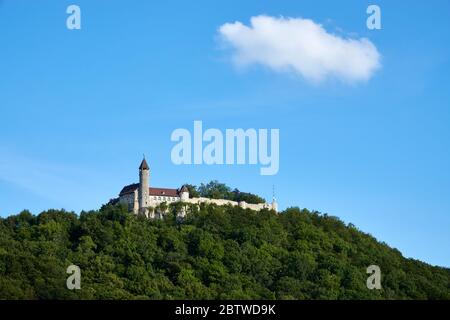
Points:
x=143, y=199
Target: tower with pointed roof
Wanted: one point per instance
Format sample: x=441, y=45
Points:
x=144, y=177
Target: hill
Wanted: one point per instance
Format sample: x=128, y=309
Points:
x=216, y=253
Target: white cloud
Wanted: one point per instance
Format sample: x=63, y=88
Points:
x=301, y=46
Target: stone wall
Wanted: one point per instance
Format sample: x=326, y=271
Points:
x=132, y=202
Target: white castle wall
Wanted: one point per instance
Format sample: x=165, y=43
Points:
x=223, y=202
x=131, y=200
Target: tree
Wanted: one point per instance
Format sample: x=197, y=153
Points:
x=193, y=193
x=217, y=252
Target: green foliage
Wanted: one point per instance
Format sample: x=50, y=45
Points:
x=193, y=192
x=217, y=190
x=215, y=253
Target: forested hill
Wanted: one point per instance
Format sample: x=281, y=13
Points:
x=216, y=253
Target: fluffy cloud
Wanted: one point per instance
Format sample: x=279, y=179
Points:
x=301, y=46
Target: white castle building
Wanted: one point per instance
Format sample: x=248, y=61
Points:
x=141, y=198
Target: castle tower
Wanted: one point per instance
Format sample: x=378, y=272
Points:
x=274, y=200
x=274, y=205
x=144, y=183
x=184, y=193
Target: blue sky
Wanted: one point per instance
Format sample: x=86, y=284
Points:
x=80, y=107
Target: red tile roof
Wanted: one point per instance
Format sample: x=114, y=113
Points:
x=163, y=192
x=152, y=191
